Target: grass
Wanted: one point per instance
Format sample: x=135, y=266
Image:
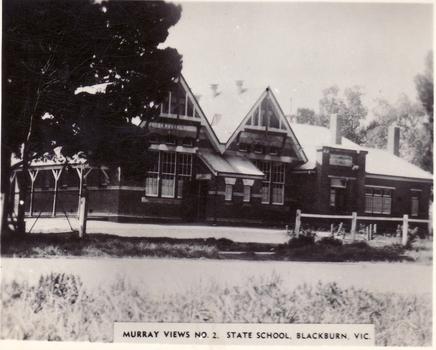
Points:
x=305, y=248
x=60, y=308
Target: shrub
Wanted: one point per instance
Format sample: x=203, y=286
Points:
x=306, y=238
x=330, y=241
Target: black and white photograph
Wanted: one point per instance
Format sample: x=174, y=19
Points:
x=213, y=174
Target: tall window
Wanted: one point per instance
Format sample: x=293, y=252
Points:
x=278, y=183
x=169, y=174
x=248, y=183
x=387, y=201
x=230, y=182
x=152, y=181
x=229, y=192
x=184, y=172
x=378, y=200
x=273, y=185
x=415, y=203
x=178, y=102
x=247, y=194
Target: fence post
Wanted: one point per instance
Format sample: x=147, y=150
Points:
x=83, y=213
x=353, y=227
x=405, y=228
x=298, y=223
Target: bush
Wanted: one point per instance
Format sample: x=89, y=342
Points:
x=301, y=241
x=330, y=241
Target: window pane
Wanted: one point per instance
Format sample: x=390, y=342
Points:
x=184, y=172
x=414, y=206
x=247, y=193
x=229, y=192
x=256, y=117
x=386, y=205
x=151, y=185
x=165, y=104
x=152, y=181
x=190, y=108
x=368, y=203
x=377, y=205
x=167, y=186
x=415, y=203
x=332, y=197
x=265, y=193
x=277, y=194
x=168, y=173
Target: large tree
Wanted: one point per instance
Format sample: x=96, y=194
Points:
x=414, y=118
x=350, y=107
x=410, y=117
x=53, y=48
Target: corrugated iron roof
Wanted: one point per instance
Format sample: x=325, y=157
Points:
x=231, y=165
x=230, y=108
x=380, y=162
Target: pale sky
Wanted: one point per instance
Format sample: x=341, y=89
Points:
x=298, y=49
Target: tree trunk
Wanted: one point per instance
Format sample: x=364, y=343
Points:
x=23, y=182
x=5, y=188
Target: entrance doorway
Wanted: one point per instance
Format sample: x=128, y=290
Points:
x=194, y=201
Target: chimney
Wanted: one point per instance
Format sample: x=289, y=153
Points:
x=214, y=88
x=197, y=97
x=239, y=86
x=335, y=129
x=394, y=140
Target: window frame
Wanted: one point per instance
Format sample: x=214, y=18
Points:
x=378, y=199
x=414, y=203
x=182, y=167
x=270, y=183
x=228, y=196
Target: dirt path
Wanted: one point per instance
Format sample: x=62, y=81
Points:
x=237, y=234
x=175, y=274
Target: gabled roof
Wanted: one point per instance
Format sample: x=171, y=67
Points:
x=230, y=110
x=227, y=110
x=378, y=162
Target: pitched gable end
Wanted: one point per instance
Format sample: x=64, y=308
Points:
x=265, y=125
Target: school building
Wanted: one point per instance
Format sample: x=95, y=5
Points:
x=233, y=157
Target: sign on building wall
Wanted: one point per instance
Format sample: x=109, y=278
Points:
x=341, y=160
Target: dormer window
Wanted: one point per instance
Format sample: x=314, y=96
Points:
x=258, y=149
x=273, y=151
x=154, y=138
x=188, y=141
x=243, y=147
x=171, y=140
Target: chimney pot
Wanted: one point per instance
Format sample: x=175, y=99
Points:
x=239, y=86
x=214, y=88
x=394, y=140
x=336, y=129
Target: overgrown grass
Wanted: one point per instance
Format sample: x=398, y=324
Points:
x=60, y=308
x=304, y=248
x=100, y=245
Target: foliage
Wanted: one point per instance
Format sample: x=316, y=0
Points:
x=306, y=238
x=80, y=314
x=329, y=240
x=351, y=109
x=415, y=138
x=53, y=51
x=54, y=48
